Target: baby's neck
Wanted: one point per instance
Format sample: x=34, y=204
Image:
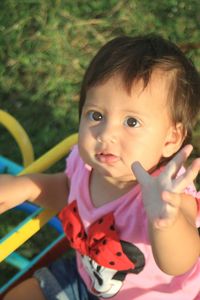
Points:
x=104, y=189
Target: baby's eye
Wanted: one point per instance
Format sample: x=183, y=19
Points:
x=131, y=122
x=95, y=116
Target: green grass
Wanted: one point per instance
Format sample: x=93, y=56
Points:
x=45, y=47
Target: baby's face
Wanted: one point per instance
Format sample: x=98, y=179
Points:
x=118, y=128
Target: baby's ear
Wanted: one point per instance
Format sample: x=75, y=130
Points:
x=174, y=139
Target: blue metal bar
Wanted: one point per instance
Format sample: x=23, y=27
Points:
x=17, y=260
x=11, y=167
x=32, y=263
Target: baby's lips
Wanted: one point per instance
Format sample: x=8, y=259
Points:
x=107, y=158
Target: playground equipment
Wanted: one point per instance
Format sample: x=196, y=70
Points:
x=36, y=217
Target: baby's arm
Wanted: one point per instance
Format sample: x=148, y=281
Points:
x=171, y=214
x=49, y=191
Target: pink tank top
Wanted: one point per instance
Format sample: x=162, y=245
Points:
x=114, y=255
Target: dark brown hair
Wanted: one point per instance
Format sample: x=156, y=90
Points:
x=135, y=58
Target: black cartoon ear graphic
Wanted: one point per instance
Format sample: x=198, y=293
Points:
x=136, y=256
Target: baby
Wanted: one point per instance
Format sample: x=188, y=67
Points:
x=128, y=206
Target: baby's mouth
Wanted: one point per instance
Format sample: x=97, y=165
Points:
x=107, y=158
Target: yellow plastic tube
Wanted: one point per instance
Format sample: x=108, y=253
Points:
x=26, y=231
x=20, y=135
x=52, y=156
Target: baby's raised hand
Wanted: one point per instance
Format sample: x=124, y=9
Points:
x=162, y=194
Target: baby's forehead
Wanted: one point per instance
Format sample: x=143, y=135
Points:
x=128, y=82
x=139, y=83
x=152, y=78
x=115, y=90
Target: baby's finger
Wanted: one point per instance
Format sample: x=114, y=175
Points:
x=175, y=164
x=141, y=174
x=188, y=177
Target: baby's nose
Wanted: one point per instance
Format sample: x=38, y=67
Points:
x=108, y=134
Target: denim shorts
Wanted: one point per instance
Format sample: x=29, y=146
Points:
x=61, y=281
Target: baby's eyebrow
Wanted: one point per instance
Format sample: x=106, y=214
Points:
x=128, y=111
x=134, y=112
x=88, y=105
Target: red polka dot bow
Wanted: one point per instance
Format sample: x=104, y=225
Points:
x=100, y=243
